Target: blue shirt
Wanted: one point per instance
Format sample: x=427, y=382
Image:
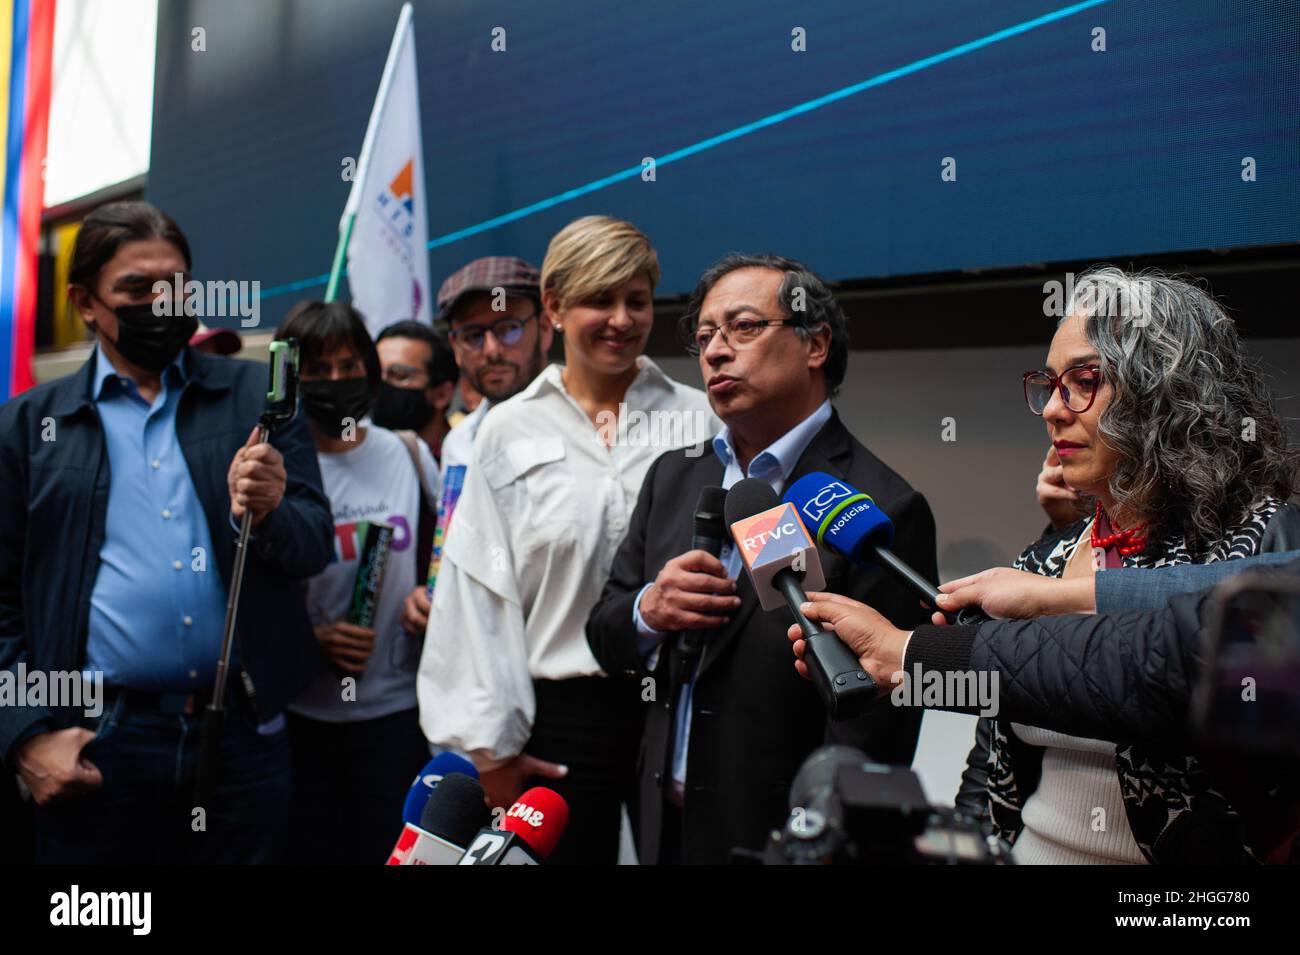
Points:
x=774, y=464
x=158, y=605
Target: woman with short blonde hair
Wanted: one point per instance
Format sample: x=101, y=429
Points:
x=593, y=254
x=506, y=674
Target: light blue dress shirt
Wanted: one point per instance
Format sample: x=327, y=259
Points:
x=774, y=464
x=158, y=604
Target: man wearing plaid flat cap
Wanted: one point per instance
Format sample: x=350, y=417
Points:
x=491, y=310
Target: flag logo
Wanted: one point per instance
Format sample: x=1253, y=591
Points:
x=396, y=203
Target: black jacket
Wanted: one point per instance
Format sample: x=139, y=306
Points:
x=1176, y=810
x=1116, y=677
x=754, y=719
x=52, y=515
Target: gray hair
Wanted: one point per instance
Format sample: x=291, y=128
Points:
x=1185, y=396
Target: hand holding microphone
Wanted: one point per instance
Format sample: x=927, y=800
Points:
x=691, y=592
x=780, y=559
x=1008, y=594
x=876, y=642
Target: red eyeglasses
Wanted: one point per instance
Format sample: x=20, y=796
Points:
x=1078, y=387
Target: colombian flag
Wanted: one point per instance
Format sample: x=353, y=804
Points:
x=26, y=45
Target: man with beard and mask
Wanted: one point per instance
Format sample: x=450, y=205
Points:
x=125, y=484
x=491, y=309
x=355, y=732
x=420, y=377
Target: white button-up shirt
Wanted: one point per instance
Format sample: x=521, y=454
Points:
x=544, y=508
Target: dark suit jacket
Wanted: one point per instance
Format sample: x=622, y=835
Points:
x=753, y=718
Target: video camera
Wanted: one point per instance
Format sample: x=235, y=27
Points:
x=847, y=810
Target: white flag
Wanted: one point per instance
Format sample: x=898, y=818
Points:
x=388, y=260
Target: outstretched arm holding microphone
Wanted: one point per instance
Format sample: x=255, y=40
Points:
x=1104, y=676
x=1006, y=593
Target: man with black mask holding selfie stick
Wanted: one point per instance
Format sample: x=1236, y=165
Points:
x=125, y=486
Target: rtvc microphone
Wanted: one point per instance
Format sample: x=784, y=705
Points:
x=852, y=525
x=455, y=810
x=422, y=788
x=528, y=833
x=706, y=536
x=781, y=559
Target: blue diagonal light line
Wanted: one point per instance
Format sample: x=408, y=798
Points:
x=738, y=132
x=298, y=286
x=805, y=107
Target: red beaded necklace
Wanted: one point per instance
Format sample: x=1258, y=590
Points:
x=1132, y=540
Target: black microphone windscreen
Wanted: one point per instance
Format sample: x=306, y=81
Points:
x=712, y=500
x=749, y=497
x=456, y=809
x=709, y=510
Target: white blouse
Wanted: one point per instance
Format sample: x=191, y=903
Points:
x=544, y=508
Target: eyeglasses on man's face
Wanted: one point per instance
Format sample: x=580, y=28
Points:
x=1078, y=387
x=507, y=331
x=737, y=333
x=406, y=376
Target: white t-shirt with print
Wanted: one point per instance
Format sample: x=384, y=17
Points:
x=374, y=481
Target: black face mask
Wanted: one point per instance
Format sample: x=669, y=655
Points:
x=329, y=401
x=151, y=341
x=401, y=409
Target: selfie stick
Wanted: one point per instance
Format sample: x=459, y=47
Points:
x=281, y=404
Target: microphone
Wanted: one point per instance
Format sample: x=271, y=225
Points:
x=706, y=536
x=454, y=811
x=434, y=770
x=780, y=558
x=852, y=525
x=528, y=834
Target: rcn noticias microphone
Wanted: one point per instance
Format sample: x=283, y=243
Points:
x=422, y=788
x=528, y=834
x=706, y=535
x=782, y=561
x=853, y=526
x=456, y=809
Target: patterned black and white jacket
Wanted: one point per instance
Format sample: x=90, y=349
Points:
x=1176, y=813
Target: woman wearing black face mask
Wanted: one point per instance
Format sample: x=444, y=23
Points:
x=355, y=732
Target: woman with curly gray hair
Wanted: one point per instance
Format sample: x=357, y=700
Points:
x=1162, y=421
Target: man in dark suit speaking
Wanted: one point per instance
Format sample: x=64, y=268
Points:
x=727, y=729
